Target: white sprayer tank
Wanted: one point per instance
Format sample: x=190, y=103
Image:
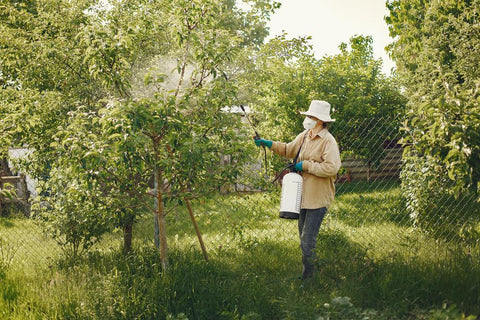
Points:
x=291, y=196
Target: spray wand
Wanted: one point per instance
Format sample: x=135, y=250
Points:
x=256, y=137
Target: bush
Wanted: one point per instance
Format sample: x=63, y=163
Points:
x=70, y=214
x=433, y=201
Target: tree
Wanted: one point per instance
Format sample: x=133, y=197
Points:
x=66, y=58
x=113, y=130
x=369, y=106
x=436, y=52
x=289, y=77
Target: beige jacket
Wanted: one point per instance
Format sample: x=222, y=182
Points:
x=321, y=162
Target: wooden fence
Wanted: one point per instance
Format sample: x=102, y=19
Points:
x=358, y=169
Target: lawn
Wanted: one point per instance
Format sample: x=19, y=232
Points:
x=372, y=264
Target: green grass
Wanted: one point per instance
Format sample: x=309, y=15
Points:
x=372, y=263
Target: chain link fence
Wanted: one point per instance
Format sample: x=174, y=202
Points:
x=374, y=210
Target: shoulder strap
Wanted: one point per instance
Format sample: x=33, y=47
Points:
x=291, y=166
x=298, y=153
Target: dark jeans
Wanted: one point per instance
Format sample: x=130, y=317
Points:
x=309, y=224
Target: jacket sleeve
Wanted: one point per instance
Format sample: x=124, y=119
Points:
x=329, y=166
x=288, y=150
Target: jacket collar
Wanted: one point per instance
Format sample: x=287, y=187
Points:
x=322, y=133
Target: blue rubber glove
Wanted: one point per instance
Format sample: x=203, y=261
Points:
x=299, y=166
x=263, y=142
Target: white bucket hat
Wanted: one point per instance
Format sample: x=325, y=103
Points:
x=320, y=110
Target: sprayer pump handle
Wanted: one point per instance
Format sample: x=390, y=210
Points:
x=291, y=167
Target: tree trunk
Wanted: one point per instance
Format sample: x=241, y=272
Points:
x=127, y=237
x=162, y=224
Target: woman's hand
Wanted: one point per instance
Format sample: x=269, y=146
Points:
x=298, y=166
x=263, y=142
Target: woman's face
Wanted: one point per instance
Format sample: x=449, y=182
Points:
x=309, y=123
x=319, y=123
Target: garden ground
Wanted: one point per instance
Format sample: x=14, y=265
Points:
x=372, y=265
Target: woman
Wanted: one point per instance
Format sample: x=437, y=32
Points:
x=318, y=163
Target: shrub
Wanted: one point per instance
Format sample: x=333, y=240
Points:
x=70, y=214
x=433, y=201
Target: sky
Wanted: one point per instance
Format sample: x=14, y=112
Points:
x=331, y=22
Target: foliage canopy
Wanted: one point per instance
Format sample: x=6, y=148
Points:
x=128, y=99
x=436, y=50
